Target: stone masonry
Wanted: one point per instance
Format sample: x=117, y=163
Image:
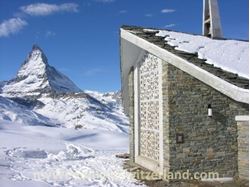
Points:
x=210, y=143
x=243, y=147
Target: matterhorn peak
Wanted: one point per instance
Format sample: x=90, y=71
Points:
x=36, y=47
x=36, y=55
x=35, y=63
x=36, y=77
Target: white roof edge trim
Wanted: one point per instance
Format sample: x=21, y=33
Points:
x=234, y=92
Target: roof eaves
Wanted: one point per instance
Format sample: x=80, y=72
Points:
x=150, y=35
x=147, y=42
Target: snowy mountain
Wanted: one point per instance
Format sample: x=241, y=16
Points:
x=82, y=110
x=2, y=83
x=36, y=77
x=41, y=92
x=54, y=134
x=12, y=111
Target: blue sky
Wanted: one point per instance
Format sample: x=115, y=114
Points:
x=81, y=37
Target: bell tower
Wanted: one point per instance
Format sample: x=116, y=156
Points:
x=211, y=19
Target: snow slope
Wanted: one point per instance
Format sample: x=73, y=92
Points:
x=230, y=55
x=36, y=76
x=11, y=111
x=50, y=156
x=81, y=109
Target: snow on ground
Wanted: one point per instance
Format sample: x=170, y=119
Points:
x=50, y=156
x=230, y=55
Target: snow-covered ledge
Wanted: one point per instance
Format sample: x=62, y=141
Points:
x=232, y=91
x=242, y=118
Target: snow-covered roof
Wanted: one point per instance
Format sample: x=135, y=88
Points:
x=221, y=64
x=230, y=55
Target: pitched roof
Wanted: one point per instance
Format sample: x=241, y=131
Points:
x=158, y=37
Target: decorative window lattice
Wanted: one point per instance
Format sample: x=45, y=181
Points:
x=149, y=106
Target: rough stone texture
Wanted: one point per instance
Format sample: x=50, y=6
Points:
x=131, y=115
x=243, y=149
x=149, y=107
x=166, y=130
x=210, y=144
